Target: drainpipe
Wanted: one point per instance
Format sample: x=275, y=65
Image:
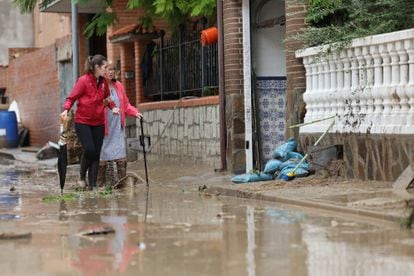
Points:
x=247, y=85
x=222, y=96
x=75, y=52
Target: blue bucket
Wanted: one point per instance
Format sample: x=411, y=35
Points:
x=8, y=129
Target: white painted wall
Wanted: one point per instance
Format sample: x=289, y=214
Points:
x=16, y=30
x=269, y=58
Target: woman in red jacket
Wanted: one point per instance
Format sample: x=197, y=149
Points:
x=91, y=92
x=114, y=148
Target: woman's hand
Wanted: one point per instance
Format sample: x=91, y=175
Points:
x=115, y=110
x=139, y=115
x=64, y=116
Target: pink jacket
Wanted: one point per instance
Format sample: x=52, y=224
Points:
x=125, y=107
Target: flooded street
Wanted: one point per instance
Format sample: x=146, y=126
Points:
x=178, y=231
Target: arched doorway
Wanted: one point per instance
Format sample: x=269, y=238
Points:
x=268, y=76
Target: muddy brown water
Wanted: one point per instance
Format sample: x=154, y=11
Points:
x=178, y=231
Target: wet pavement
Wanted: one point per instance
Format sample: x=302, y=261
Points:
x=173, y=229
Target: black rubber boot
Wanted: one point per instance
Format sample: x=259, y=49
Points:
x=93, y=174
x=84, y=164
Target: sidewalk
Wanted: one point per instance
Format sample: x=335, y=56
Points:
x=370, y=199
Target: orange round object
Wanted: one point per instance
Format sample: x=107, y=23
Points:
x=209, y=36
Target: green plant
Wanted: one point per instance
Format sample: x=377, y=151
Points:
x=343, y=20
x=65, y=197
x=175, y=12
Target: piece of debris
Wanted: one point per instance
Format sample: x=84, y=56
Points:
x=46, y=152
x=9, y=217
x=12, y=189
x=129, y=180
x=15, y=236
x=105, y=230
x=202, y=188
x=225, y=215
x=141, y=245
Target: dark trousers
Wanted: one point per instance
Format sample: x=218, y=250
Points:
x=91, y=138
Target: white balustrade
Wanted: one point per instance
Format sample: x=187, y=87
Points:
x=368, y=85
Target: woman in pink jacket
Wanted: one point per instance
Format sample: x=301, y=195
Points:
x=114, y=148
x=90, y=92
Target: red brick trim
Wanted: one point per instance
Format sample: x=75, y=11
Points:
x=211, y=100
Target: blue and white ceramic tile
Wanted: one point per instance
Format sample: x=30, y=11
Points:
x=271, y=96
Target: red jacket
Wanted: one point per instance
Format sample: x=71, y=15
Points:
x=125, y=108
x=90, y=108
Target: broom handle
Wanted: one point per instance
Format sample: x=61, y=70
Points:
x=316, y=143
x=311, y=122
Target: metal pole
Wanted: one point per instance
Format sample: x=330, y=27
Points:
x=222, y=95
x=75, y=49
x=202, y=70
x=162, y=66
x=247, y=85
x=180, y=60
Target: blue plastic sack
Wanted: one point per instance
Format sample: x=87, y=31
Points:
x=282, y=151
x=294, y=155
x=291, y=163
x=251, y=177
x=272, y=166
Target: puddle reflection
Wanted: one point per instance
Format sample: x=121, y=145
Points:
x=189, y=234
x=10, y=201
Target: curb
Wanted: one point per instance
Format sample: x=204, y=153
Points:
x=220, y=191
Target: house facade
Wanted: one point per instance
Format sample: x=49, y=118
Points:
x=264, y=81
x=206, y=129
x=263, y=89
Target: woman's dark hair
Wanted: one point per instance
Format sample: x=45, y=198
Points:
x=91, y=61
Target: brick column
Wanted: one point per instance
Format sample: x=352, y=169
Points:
x=112, y=49
x=139, y=47
x=128, y=64
x=295, y=72
x=233, y=74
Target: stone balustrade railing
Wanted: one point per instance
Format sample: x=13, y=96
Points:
x=368, y=85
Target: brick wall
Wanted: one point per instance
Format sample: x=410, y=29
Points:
x=233, y=74
x=33, y=83
x=295, y=72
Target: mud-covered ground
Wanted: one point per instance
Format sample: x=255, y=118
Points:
x=173, y=229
